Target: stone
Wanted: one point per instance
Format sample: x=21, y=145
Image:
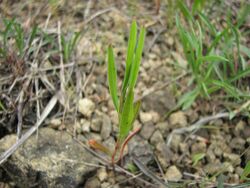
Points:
x=96, y=124
x=198, y=147
x=238, y=143
x=173, y=174
x=93, y=183
x=85, y=125
x=177, y=120
x=176, y=140
x=114, y=117
x=145, y=117
x=141, y=149
x=86, y=107
x=106, y=126
x=163, y=127
x=147, y=130
x=160, y=102
x=165, y=155
x=156, y=138
x=102, y=174
x=233, y=158
x=215, y=167
x=55, y=123
x=54, y=160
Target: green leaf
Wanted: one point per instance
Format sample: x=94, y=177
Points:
x=112, y=77
x=212, y=58
x=197, y=157
x=185, y=11
x=136, y=64
x=187, y=99
x=207, y=22
x=130, y=55
x=231, y=90
x=137, y=106
x=126, y=116
x=246, y=172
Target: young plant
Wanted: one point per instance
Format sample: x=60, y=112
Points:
x=124, y=103
x=214, y=57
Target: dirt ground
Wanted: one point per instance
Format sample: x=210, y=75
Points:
x=165, y=148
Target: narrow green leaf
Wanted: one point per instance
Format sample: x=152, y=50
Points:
x=185, y=11
x=112, y=77
x=126, y=116
x=136, y=64
x=130, y=54
x=137, y=106
x=246, y=172
x=187, y=99
x=212, y=58
x=197, y=157
x=207, y=22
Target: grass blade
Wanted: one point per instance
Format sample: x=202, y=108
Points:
x=112, y=77
x=130, y=54
x=126, y=116
x=136, y=64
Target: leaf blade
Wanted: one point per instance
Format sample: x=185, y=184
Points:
x=112, y=77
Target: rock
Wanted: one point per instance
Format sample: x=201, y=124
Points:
x=93, y=183
x=163, y=127
x=176, y=140
x=55, y=123
x=54, y=160
x=141, y=149
x=173, y=174
x=165, y=155
x=86, y=107
x=156, y=138
x=198, y=147
x=102, y=174
x=147, y=130
x=177, y=120
x=145, y=117
x=237, y=143
x=233, y=158
x=85, y=125
x=114, y=117
x=240, y=127
x=106, y=126
x=213, y=168
x=96, y=124
x=160, y=102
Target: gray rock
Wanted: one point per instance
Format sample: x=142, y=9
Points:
x=165, y=155
x=141, y=149
x=237, y=143
x=163, y=127
x=173, y=174
x=178, y=119
x=96, y=124
x=156, y=138
x=176, y=140
x=54, y=160
x=161, y=102
x=106, y=126
x=147, y=130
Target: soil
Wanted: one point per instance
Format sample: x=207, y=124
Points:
x=85, y=109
